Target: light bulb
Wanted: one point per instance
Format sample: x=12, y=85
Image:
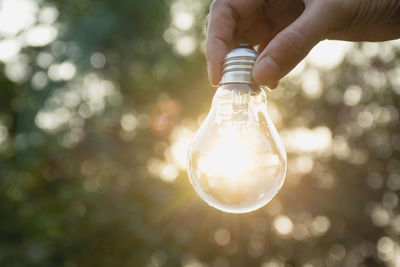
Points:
x=237, y=162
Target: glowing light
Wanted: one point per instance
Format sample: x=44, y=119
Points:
x=52, y=120
x=274, y=113
x=72, y=137
x=365, y=119
x=385, y=245
x=328, y=54
x=185, y=45
x=181, y=138
x=352, y=95
x=48, y=15
x=341, y=148
x=40, y=35
x=230, y=157
x=169, y=172
x=301, y=139
x=39, y=80
x=222, y=237
x=311, y=84
x=9, y=49
x=16, y=15
x=17, y=69
x=129, y=122
x=320, y=225
x=304, y=164
x=170, y=34
x=44, y=59
x=183, y=20
x=375, y=78
x=370, y=49
x=283, y=225
x=95, y=91
x=388, y=251
x=64, y=71
x=380, y=216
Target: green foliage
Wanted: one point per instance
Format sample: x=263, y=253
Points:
x=82, y=192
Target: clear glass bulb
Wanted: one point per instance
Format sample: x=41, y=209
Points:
x=237, y=162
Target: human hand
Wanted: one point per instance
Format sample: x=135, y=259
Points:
x=286, y=30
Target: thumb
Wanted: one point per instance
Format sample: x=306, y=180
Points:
x=290, y=46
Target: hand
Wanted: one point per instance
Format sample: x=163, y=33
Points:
x=286, y=30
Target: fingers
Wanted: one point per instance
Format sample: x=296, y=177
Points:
x=258, y=32
x=221, y=26
x=291, y=45
x=222, y=22
x=380, y=33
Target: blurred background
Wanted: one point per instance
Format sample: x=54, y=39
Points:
x=99, y=101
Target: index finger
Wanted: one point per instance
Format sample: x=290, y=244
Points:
x=220, y=29
x=222, y=21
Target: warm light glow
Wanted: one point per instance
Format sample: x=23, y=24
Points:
x=185, y=45
x=40, y=35
x=283, y=225
x=181, y=138
x=317, y=140
x=352, y=95
x=311, y=84
x=328, y=54
x=9, y=49
x=16, y=15
x=236, y=161
x=230, y=157
x=183, y=20
x=233, y=161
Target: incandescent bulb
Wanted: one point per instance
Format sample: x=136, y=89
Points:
x=237, y=162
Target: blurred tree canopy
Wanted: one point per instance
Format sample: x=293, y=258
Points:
x=99, y=100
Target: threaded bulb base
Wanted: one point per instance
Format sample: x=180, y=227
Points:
x=238, y=65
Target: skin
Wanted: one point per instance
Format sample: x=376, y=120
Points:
x=284, y=31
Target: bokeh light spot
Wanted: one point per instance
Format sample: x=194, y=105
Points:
x=222, y=237
x=183, y=20
x=283, y=225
